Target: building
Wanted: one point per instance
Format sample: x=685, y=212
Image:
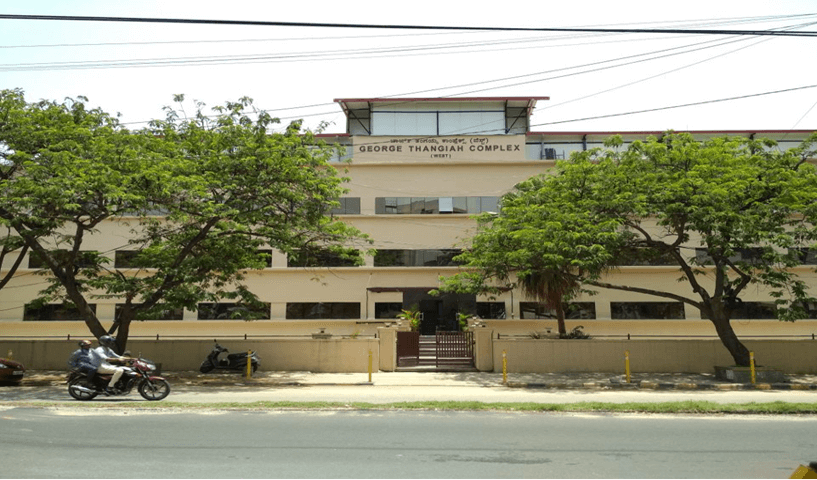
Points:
x=418, y=168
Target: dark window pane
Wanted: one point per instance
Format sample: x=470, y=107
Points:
x=806, y=256
x=460, y=204
x=489, y=204
x=403, y=205
x=348, y=206
x=751, y=311
x=649, y=257
x=387, y=309
x=418, y=205
x=84, y=258
x=491, y=309
x=573, y=310
x=647, y=310
x=53, y=312
x=125, y=259
x=233, y=311
x=156, y=313
x=323, y=310
x=319, y=258
x=379, y=205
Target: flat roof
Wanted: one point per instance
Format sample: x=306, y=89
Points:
x=364, y=103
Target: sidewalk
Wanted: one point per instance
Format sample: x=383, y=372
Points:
x=556, y=381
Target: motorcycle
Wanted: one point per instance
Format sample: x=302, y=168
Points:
x=137, y=374
x=234, y=361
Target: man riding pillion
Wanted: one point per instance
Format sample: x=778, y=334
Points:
x=83, y=360
x=103, y=355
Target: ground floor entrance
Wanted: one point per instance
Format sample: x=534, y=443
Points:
x=442, y=351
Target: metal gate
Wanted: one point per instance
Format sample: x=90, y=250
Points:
x=455, y=349
x=408, y=349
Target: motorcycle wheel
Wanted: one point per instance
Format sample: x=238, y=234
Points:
x=206, y=367
x=154, y=389
x=79, y=394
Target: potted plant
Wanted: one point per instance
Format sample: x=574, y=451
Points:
x=413, y=316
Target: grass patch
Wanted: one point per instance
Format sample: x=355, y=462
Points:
x=685, y=407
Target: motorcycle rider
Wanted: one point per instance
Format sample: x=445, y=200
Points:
x=83, y=360
x=103, y=356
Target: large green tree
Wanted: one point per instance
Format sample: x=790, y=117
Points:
x=751, y=206
x=202, y=197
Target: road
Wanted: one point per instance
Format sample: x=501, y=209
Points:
x=133, y=443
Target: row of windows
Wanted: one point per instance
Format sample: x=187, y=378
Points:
x=384, y=310
x=429, y=258
x=434, y=205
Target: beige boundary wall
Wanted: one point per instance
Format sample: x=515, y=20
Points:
x=302, y=354
x=524, y=355
x=647, y=356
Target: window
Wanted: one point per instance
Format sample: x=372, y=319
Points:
x=348, y=206
x=128, y=258
x=125, y=259
x=230, y=311
x=806, y=256
x=647, y=310
x=314, y=257
x=490, y=122
x=491, y=309
x=648, y=257
x=416, y=258
x=751, y=311
x=323, y=310
x=156, y=313
x=748, y=255
x=53, y=312
x=85, y=258
x=573, y=310
x=387, y=309
x=434, y=205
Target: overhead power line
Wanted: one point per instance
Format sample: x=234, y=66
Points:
x=191, y=21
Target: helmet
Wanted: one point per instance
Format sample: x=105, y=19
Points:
x=107, y=341
x=85, y=344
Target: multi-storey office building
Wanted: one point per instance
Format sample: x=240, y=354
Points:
x=418, y=168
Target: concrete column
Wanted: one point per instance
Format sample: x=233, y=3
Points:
x=388, y=348
x=484, y=349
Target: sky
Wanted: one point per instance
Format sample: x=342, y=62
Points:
x=134, y=69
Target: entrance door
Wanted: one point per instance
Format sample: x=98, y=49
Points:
x=432, y=311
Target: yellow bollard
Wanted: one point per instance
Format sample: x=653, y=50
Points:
x=10, y=356
x=627, y=364
x=803, y=471
x=370, y=366
x=752, y=365
x=249, y=363
x=504, y=368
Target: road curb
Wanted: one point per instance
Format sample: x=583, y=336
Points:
x=646, y=385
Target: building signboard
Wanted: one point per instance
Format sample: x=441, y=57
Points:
x=456, y=148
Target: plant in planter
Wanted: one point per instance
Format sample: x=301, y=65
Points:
x=462, y=321
x=413, y=316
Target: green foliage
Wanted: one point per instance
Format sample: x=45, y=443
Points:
x=577, y=333
x=658, y=199
x=202, y=196
x=413, y=316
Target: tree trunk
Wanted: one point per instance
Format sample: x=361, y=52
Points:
x=560, y=319
x=122, y=327
x=738, y=351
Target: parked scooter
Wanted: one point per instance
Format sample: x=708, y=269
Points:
x=234, y=361
x=138, y=374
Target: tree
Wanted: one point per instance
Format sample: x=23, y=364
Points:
x=201, y=195
x=751, y=207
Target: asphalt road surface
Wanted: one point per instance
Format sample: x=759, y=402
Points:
x=132, y=443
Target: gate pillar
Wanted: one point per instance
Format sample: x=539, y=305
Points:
x=388, y=348
x=484, y=349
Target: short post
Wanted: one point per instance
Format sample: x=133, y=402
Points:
x=504, y=368
x=627, y=364
x=752, y=366
x=249, y=363
x=370, y=365
x=10, y=355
